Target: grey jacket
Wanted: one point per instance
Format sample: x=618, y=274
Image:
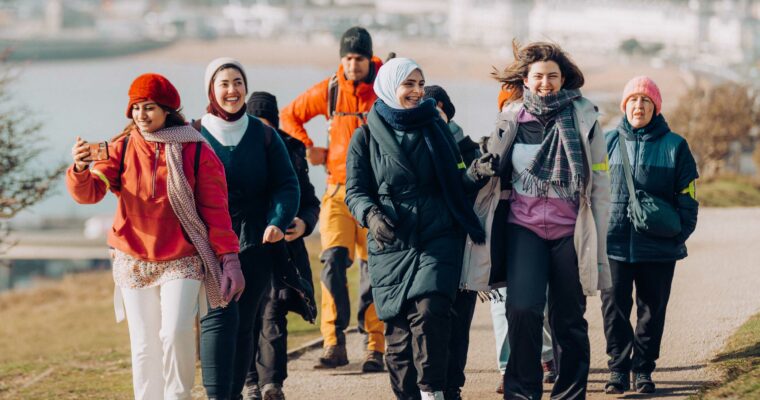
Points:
x=484, y=266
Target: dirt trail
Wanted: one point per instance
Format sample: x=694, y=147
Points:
x=714, y=292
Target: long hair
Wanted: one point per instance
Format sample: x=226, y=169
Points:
x=512, y=76
x=174, y=118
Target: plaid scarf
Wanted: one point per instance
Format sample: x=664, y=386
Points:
x=182, y=199
x=559, y=161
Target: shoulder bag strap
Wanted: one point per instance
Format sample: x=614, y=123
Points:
x=626, y=168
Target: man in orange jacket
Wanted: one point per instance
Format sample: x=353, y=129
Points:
x=344, y=99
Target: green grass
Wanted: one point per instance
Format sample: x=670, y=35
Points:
x=60, y=340
x=739, y=362
x=729, y=191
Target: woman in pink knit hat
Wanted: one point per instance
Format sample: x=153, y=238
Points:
x=662, y=165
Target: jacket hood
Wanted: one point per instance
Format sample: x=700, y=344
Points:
x=655, y=129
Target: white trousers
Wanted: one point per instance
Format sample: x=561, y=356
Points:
x=161, y=321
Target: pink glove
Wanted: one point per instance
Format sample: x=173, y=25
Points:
x=233, y=282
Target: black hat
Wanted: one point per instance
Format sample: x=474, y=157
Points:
x=439, y=95
x=264, y=105
x=356, y=40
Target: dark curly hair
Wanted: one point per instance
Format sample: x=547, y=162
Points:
x=512, y=76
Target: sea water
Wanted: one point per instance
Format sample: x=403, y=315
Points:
x=89, y=99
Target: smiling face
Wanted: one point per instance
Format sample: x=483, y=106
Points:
x=229, y=90
x=544, y=77
x=148, y=116
x=639, y=110
x=409, y=93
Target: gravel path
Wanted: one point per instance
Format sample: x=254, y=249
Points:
x=714, y=292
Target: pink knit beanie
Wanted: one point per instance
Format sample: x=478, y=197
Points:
x=647, y=87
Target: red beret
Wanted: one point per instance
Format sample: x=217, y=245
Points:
x=153, y=87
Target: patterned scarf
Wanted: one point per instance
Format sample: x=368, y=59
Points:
x=559, y=162
x=182, y=199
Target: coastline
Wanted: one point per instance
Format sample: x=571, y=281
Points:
x=604, y=73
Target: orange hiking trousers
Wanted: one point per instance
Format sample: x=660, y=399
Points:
x=342, y=241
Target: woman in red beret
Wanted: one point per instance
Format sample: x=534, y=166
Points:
x=170, y=233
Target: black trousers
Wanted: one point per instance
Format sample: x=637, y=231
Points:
x=637, y=350
x=270, y=343
x=417, y=343
x=226, y=333
x=461, y=318
x=532, y=264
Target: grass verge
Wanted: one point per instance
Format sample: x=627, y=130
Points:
x=729, y=191
x=60, y=339
x=739, y=362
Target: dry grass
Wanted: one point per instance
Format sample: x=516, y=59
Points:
x=60, y=339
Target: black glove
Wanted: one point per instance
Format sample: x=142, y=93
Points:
x=380, y=227
x=484, y=167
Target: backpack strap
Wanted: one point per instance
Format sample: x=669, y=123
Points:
x=123, y=154
x=332, y=96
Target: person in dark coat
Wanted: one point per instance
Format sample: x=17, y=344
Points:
x=663, y=166
x=292, y=287
x=407, y=183
x=264, y=196
x=463, y=308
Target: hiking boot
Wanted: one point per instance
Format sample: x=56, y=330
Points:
x=550, y=374
x=333, y=357
x=273, y=391
x=452, y=394
x=643, y=383
x=618, y=383
x=251, y=392
x=373, y=361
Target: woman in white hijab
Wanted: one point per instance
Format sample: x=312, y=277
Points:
x=407, y=183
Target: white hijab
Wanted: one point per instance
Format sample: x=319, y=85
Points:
x=389, y=78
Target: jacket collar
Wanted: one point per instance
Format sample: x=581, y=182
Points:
x=384, y=137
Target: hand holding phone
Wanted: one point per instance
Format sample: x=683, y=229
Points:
x=84, y=153
x=98, y=151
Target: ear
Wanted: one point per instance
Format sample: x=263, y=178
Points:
x=525, y=81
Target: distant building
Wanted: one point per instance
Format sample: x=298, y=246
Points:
x=488, y=22
x=726, y=31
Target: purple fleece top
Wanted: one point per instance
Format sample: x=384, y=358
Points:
x=550, y=218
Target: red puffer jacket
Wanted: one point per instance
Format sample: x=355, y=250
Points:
x=145, y=225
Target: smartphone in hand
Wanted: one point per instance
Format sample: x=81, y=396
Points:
x=98, y=151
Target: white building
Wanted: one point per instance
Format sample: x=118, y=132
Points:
x=726, y=30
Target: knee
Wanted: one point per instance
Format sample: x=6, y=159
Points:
x=177, y=332
x=335, y=257
x=519, y=311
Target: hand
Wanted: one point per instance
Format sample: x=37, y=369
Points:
x=272, y=234
x=80, y=152
x=233, y=282
x=485, y=166
x=443, y=115
x=296, y=230
x=381, y=228
x=316, y=155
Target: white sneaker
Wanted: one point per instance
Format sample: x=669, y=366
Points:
x=432, y=395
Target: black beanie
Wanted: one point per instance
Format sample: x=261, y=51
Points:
x=437, y=93
x=356, y=40
x=264, y=105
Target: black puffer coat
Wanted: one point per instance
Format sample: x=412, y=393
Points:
x=400, y=179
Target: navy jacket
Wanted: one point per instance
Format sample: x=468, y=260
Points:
x=263, y=188
x=663, y=166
